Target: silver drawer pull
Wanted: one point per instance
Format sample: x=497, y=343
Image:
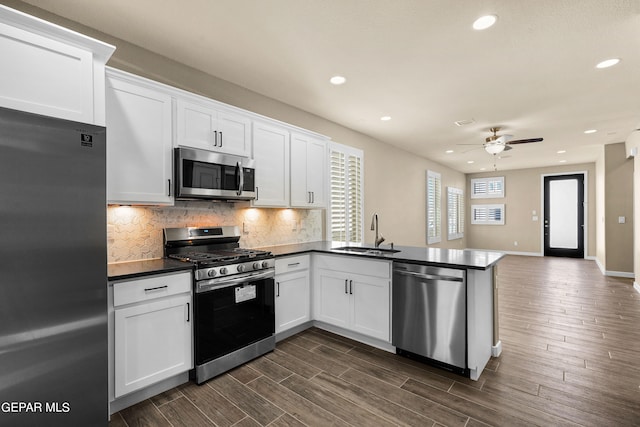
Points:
x=293, y=264
x=157, y=288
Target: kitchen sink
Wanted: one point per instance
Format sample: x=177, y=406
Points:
x=367, y=251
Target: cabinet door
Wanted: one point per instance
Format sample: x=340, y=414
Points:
x=307, y=172
x=316, y=172
x=370, y=312
x=44, y=76
x=138, y=144
x=234, y=134
x=152, y=343
x=331, y=298
x=271, y=153
x=196, y=125
x=292, y=300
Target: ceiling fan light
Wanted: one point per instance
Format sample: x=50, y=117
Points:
x=494, y=148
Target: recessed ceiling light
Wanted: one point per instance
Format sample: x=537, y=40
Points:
x=449, y=151
x=385, y=118
x=608, y=63
x=337, y=80
x=561, y=151
x=470, y=161
x=562, y=161
x=590, y=131
x=483, y=169
x=484, y=22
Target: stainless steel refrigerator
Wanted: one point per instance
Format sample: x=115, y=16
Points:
x=53, y=277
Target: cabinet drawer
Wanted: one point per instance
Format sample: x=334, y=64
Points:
x=131, y=291
x=293, y=263
x=353, y=264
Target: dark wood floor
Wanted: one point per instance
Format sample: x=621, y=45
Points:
x=571, y=356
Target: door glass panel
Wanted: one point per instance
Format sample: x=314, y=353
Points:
x=563, y=214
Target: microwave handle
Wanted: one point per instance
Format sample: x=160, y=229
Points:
x=239, y=178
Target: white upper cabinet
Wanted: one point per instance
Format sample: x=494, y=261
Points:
x=202, y=125
x=271, y=153
x=308, y=172
x=138, y=141
x=50, y=70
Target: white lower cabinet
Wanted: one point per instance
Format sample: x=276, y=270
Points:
x=152, y=330
x=293, y=292
x=354, y=294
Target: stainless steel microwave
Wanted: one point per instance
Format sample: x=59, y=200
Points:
x=202, y=174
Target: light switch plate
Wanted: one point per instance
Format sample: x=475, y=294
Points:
x=622, y=220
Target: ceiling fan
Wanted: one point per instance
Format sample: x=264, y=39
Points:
x=495, y=144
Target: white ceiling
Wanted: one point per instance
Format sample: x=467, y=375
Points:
x=418, y=61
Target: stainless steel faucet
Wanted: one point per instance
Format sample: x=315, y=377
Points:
x=374, y=226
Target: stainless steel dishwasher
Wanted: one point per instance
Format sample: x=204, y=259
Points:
x=429, y=314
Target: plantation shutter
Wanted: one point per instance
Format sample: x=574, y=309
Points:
x=455, y=213
x=345, y=211
x=434, y=196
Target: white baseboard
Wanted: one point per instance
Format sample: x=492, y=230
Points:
x=624, y=274
x=636, y=286
x=510, y=252
x=496, y=350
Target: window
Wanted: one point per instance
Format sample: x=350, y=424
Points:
x=487, y=188
x=487, y=214
x=345, y=213
x=455, y=213
x=434, y=184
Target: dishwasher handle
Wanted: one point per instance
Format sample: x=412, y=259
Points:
x=429, y=276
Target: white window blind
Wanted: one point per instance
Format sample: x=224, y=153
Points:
x=487, y=214
x=455, y=213
x=434, y=196
x=487, y=188
x=344, y=215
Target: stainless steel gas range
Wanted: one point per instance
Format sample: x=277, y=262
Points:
x=234, y=314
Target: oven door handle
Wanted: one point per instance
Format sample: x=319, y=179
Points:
x=223, y=282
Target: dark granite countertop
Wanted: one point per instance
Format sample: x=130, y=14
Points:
x=147, y=267
x=454, y=258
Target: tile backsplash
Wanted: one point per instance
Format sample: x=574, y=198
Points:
x=135, y=232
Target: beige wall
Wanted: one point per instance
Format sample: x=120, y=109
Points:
x=618, y=203
x=523, y=195
x=601, y=250
x=394, y=179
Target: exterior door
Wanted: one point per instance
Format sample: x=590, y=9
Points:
x=564, y=215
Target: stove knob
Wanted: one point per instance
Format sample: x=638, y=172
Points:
x=256, y=265
x=223, y=270
x=265, y=264
x=241, y=268
x=211, y=273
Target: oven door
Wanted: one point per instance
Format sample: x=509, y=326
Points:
x=230, y=317
x=202, y=174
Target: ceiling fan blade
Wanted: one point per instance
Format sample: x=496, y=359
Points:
x=525, y=141
x=507, y=148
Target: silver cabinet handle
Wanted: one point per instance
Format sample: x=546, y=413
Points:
x=215, y=138
x=345, y=286
x=277, y=289
x=293, y=264
x=350, y=287
x=157, y=288
x=169, y=180
x=188, y=312
x=220, y=139
x=257, y=193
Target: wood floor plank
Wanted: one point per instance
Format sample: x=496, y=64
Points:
x=255, y=405
x=372, y=402
x=292, y=363
x=182, y=413
x=144, y=414
x=314, y=359
x=270, y=369
x=420, y=404
x=214, y=405
x=300, y=408
x=334, y=403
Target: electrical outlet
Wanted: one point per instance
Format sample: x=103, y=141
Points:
x=515, y=243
